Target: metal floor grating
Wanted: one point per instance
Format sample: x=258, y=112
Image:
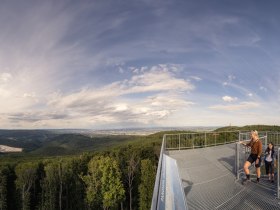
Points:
x=208, y=177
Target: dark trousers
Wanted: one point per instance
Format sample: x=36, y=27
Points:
x=269, y=167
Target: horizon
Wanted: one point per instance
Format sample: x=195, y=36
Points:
x=120, y=64
x=133, y=128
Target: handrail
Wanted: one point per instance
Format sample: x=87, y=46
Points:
x=156, y=193
x=168, y=191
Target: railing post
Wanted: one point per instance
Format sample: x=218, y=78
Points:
x=164, y=137
x=265, y=139
x=278, y=161
x=179, y=142
x=215, y=140
x=237, y=160
x=205, y=142
x=237, y=155
x=193, y=143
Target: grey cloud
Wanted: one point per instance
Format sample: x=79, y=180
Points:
x=34, y=116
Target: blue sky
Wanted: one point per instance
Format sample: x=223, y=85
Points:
x=139, y=63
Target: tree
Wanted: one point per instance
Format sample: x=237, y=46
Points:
x=27, y=175
x=4, y=173
x=50, y=187
x=62, y=186
x=7, y=187
x=104, y=186
x=146, y=187
x=72, y=194
x=132, y=167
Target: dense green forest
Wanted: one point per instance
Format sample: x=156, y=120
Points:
x=78, y=171
x=116, y=172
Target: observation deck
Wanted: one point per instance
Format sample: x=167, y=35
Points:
x=210, y=175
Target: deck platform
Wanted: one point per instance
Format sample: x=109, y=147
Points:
x=209, y=181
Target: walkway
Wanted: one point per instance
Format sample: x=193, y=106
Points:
x=208, y=177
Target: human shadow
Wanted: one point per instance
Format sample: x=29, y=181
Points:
x=188, y=188
x=228, y=163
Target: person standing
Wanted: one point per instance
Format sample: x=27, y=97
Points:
x=254, y=157
x=269, y=162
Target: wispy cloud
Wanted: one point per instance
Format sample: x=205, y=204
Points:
x=236, y=107
x=262, y=88
x=116, y=102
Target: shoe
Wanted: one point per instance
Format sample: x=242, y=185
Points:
x=245, y=181
x=272, y=181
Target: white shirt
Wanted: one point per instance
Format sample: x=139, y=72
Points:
x=268, y=157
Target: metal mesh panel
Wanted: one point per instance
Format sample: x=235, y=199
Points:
x=274, y=138
x=199, y=140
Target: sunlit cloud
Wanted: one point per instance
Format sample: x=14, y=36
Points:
x=229, y=99
x=115, y=102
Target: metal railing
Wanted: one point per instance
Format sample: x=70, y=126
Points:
x=278, y=174
x=242, y=153
x=156, y=193
x=199, y=140
x=168, y=191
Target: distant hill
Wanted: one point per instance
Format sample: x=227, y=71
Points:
x=53, y=142
x=250, y=127
x=66, y=144
x=27, y=139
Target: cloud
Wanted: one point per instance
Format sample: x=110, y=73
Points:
x=145, y=98
x=230, y=78
x=99, y=63
x=196, y=78
x=159, y=78
x=5, y=77
x=229, y=99
x=29, y=95
x=262, y=88
x=236, y=107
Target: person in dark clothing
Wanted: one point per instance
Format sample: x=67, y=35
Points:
x=255, y=156
x=269, y=161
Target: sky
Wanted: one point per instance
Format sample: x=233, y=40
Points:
x=102, y=64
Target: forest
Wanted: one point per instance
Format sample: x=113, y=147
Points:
x=108, y=172
x=118, y=175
